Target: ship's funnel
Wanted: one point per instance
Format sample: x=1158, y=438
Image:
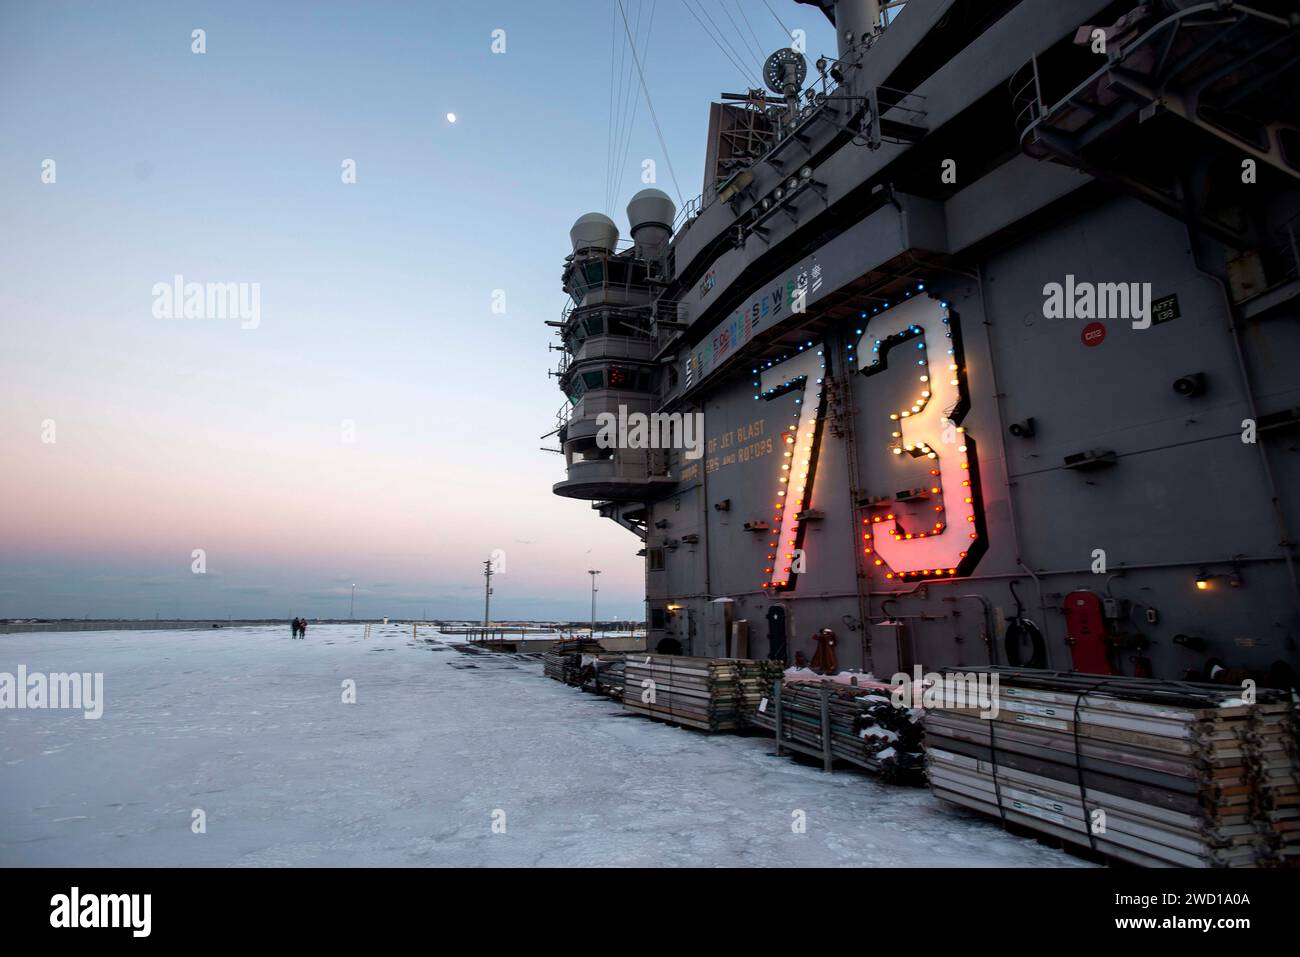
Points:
x=855, y=20
x=650, y=215
x=594, y=231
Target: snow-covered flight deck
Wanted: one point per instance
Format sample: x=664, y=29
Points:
x=250, y=728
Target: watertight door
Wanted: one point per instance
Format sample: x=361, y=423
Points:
x=776, y=634
x=1085, y=629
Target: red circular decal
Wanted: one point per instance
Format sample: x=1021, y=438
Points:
x=1094, y=333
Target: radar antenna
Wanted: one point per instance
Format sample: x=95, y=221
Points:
x=784, y=73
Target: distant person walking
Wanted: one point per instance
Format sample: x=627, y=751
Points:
x=293, y=625
x=302, y=628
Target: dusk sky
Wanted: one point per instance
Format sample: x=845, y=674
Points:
x=131, y=440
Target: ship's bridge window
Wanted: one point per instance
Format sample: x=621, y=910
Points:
x=623, y=378
x=590, y=453
x=629, y=379
x=622, y=326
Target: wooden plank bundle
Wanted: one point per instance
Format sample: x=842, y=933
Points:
x=712, y=694
x=865, y=727
x=603, y=674
x=564, y=661
x=553, y=665
x=1156, y=773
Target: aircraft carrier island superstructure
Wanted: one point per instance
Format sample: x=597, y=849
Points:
x=991, y=318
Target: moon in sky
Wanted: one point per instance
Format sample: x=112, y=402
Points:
x=451, y=117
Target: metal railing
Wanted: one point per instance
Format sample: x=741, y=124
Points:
x=592, y=403
x=630, y=348
x=692, y=209
x=1026, y=96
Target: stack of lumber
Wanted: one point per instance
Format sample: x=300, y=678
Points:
x=865, y=727
x=564, y=661
x=553, y=665
x=712, y=694
x=757, y=678
x=603, y=674
x=1156, y=773
x=1275, y=737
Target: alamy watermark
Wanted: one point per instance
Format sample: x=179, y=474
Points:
x=208, y=300
x=76, y=909
x=655, y=430
x=1098, y=300
x=77, y=691
x=948, y=690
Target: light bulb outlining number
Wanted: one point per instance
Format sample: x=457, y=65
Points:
x=802, y=374
x=939, y=530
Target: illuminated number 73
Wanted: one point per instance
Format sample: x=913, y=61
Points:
x=802, y=373
x=938, y=530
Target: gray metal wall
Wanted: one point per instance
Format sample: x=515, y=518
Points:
x=1186, y=493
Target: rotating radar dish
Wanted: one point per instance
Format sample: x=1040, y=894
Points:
x=785, y=71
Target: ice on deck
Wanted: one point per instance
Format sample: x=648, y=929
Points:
x=249, y=726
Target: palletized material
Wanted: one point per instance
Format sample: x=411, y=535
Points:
x=553, y=665
x=603, y=674
x=1156, y=773
x=712, y=694
x=865, y=727
x=564, y=661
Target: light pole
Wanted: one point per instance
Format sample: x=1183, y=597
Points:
x=487, y=593
x=593, y=573
x=352, y=601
